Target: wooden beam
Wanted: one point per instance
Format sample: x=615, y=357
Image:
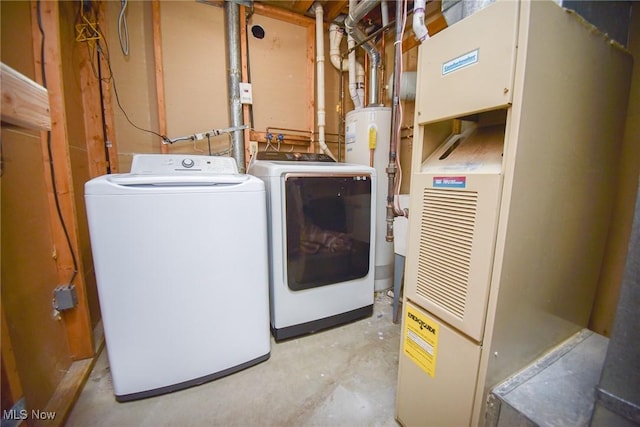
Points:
x=435, y=22
x=244, y=76
x=12, y=390
x=302, y=6
x=434, y=19
x=282, y=15
x=76, y=320
x=69, y=388
x=299, y=140
x=333, y=9
x=107, y=104
x=92, y=111
x=24, y=102
x=157, y=59
x=409, y=43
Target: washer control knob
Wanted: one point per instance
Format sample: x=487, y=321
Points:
x=188, y=163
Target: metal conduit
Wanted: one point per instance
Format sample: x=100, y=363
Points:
x=232, y=26
x=395, y=123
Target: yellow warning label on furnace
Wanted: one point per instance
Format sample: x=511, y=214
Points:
x=421, y=340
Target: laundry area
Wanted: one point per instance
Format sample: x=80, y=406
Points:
x=320, y=213
x=342, y=376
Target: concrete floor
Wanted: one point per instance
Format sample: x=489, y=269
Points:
x=345, y=376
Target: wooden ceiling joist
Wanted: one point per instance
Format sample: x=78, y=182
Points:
x=334, y=8
x=302, y=6
x=282, y=14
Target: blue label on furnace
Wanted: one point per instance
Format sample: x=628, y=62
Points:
x=449, y=181
x=461, y=61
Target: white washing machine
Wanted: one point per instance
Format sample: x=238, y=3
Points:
x=321, y=217
x=180, y=253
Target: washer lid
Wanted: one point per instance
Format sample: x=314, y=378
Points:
x=173, y=180
x=156, y=164
x=171, y=183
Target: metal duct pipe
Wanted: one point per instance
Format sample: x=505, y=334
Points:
x=350, y=25
x=232, y=27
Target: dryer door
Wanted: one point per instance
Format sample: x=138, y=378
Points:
x=328, y=228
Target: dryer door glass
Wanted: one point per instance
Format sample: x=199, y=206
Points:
x=328, y=227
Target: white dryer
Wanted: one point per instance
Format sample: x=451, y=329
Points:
x=171, y=242
x=321, y=217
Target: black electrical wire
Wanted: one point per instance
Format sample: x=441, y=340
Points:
x=103, y=117
x=110, y=79
x=115, y=89
x=50, y=153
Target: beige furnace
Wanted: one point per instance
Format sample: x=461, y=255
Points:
x=520, y=111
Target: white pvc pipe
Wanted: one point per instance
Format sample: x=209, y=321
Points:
x=320, y=78
x=419, y=26
x=356, y=70
x=356, y=76
x=335, y=37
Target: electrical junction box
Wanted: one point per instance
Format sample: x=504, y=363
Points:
x=245, y=93
x=64, y=297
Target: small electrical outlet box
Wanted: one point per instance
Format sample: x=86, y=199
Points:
x=64, y=297
x=253, y=147
x=245, y=93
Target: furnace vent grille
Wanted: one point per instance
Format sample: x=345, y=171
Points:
x=446, y=239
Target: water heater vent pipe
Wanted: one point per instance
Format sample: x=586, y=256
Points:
x=350, y=24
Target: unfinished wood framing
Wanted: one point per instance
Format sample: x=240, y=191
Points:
x=107, y=106
x=69, y=389
x=297, y=140
x=309, y=24
x=302, y=6
x=92, y=109
x=244, y=77
x=77, y=322
x=11, y=384
x=282, y=15
x=24, y=102
x=434, y=20
x=333, y=9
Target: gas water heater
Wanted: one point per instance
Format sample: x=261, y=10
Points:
x=367, y=142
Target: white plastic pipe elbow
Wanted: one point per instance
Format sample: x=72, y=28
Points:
x=419, y=26
x=335, y=37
